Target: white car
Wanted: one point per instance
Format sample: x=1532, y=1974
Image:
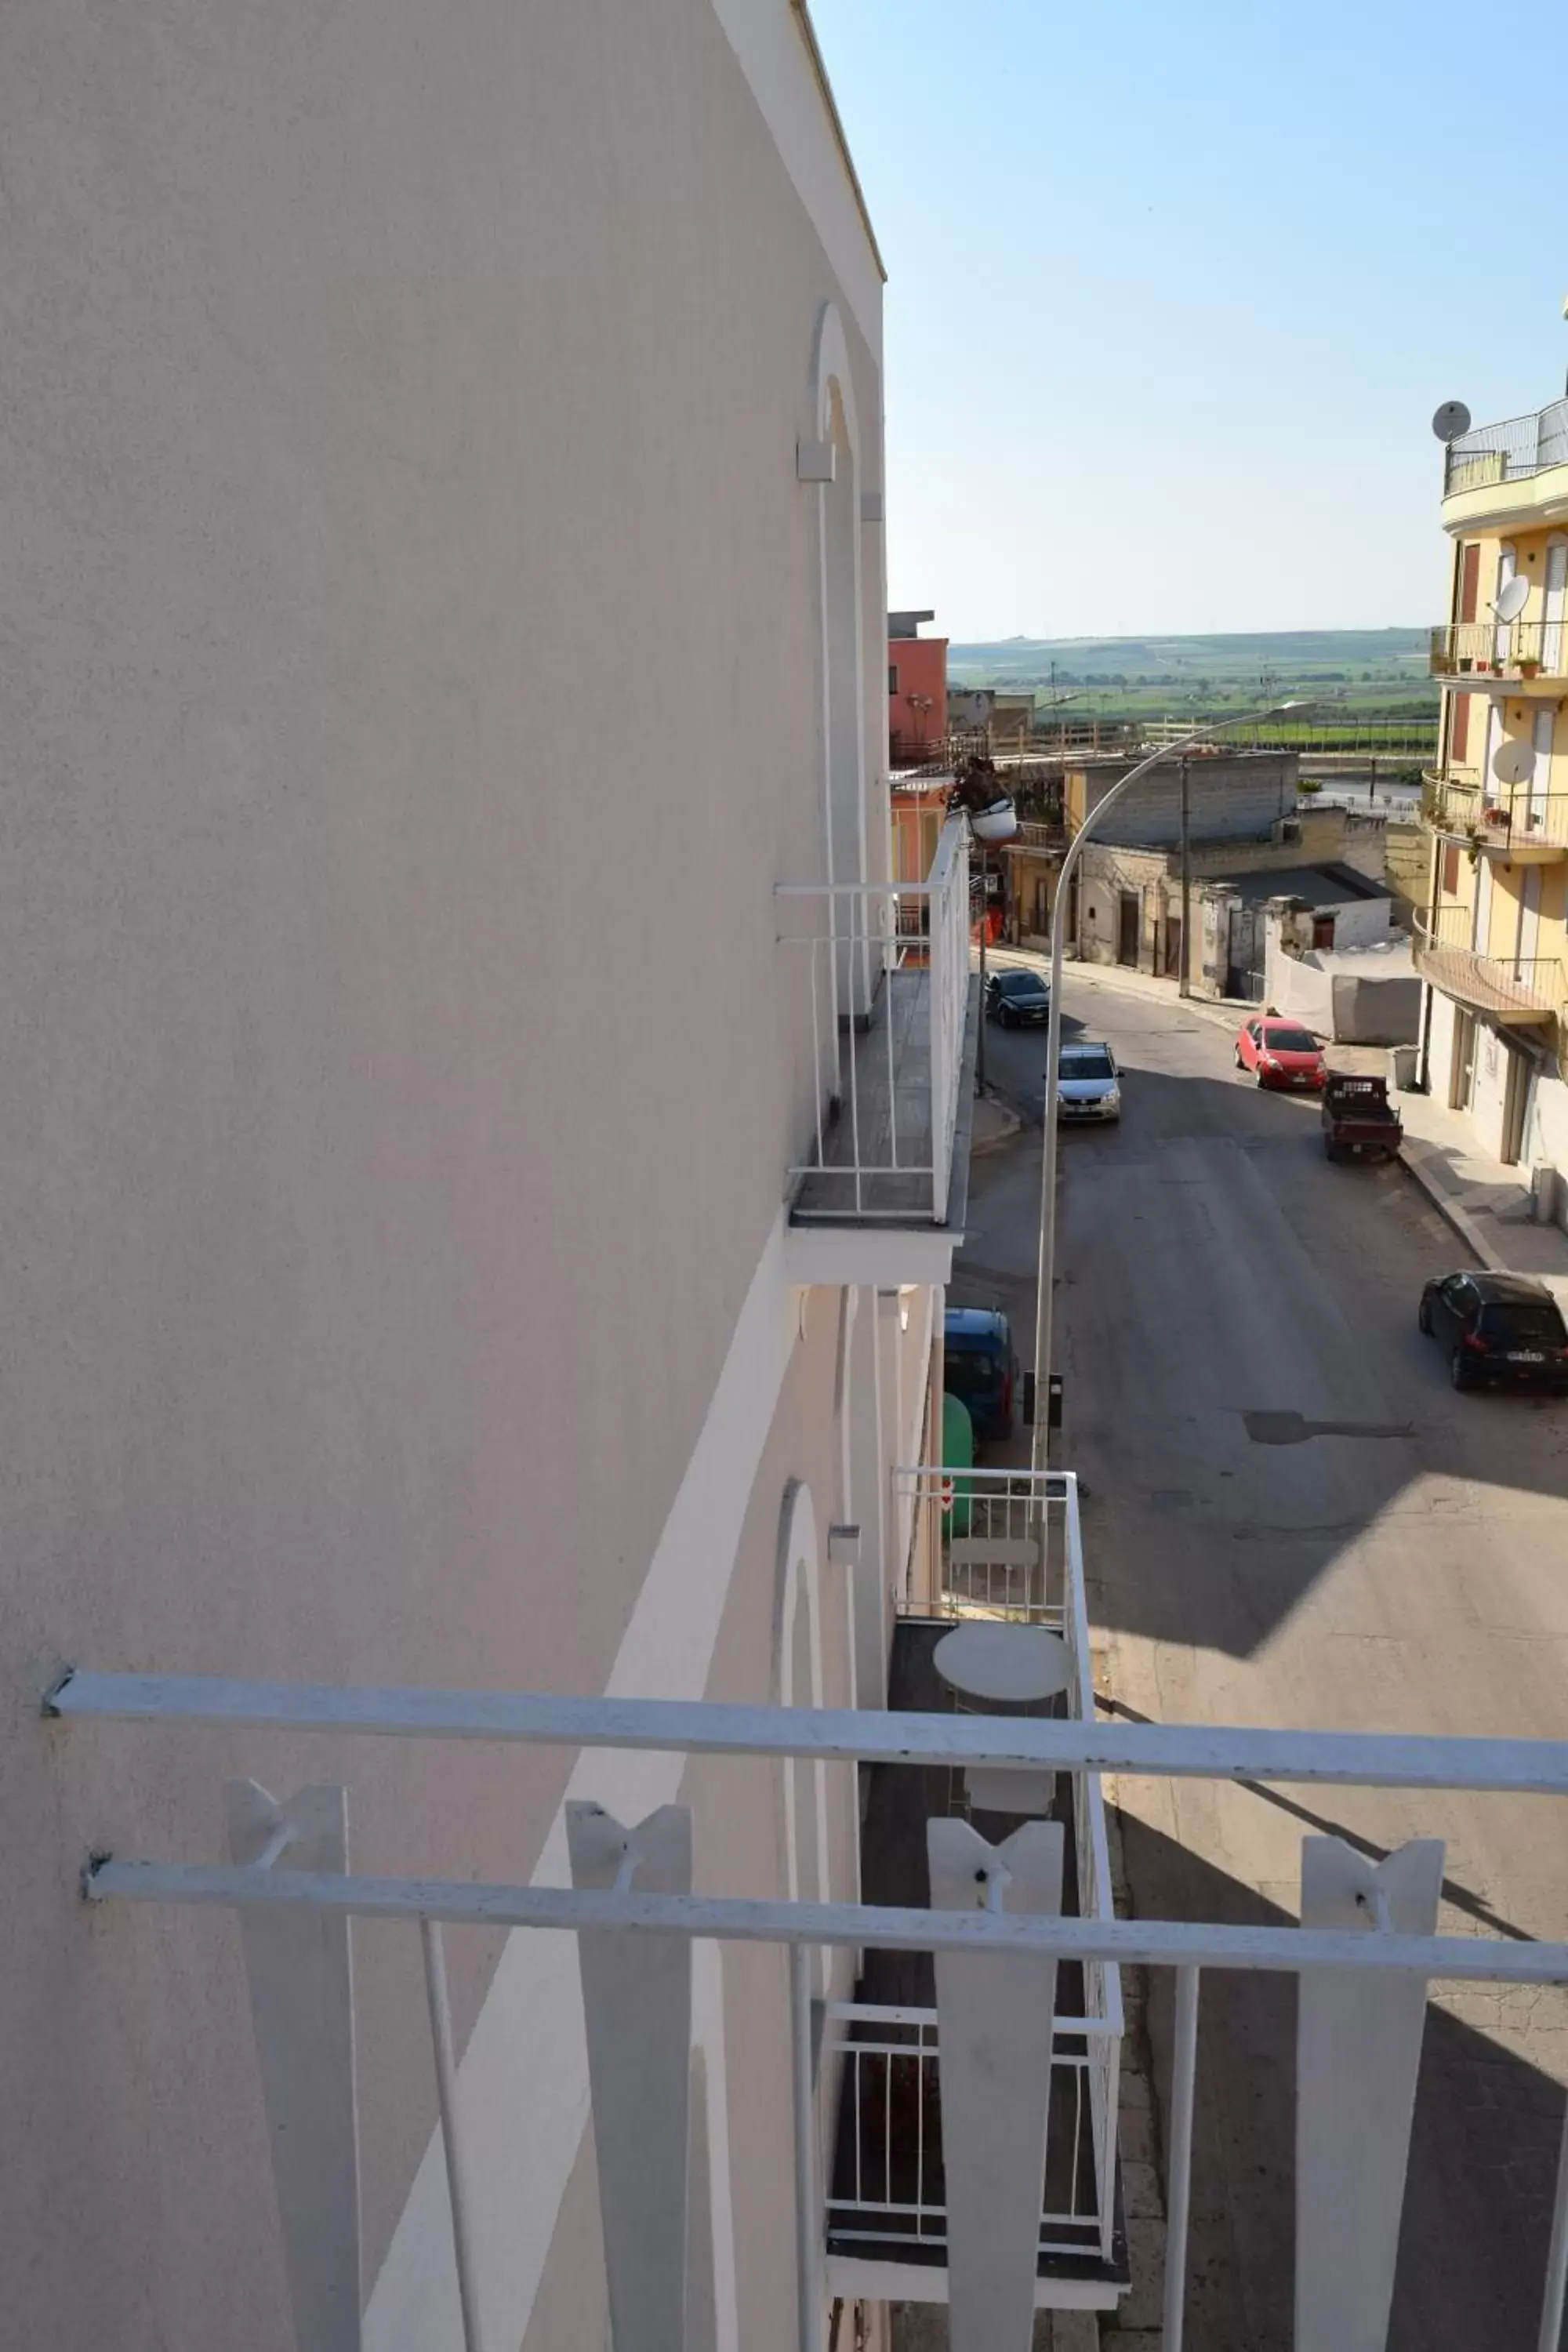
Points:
x=1089, y=1085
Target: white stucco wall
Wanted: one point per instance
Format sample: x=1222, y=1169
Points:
x=1361, y=922
x=399, y=1066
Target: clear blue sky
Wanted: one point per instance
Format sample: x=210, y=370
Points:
x=1174, y=289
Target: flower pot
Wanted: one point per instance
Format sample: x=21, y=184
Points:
x=998, y=821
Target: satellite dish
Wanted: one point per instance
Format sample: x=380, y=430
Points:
x=1512, y=597
x=1452, y=419
x=1513, y=762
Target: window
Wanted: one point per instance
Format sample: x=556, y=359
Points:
x=1524, y=1325
x=892, y=678
x=1087, y=1062
x=1451, y=870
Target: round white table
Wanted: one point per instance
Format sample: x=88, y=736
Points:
x=1005, y=1663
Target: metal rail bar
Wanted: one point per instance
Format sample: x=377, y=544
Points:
x=870, y=2012
x=802, y=2099
x=1550, y=2336
x=1158, y=1943
x=1183, y=2071
x=696, y=1726
x=440, y=2008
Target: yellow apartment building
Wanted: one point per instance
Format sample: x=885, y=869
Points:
x=1492, y=943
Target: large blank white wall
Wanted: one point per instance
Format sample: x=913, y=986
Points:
x=397, y=422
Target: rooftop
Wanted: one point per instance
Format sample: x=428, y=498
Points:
x=1315, y=886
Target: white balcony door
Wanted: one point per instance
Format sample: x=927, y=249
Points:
x=1528, y=943
x=1481, y=921
x=1541, y=774
x=1507, y=564
x=1489, y=787
x=1555, y=607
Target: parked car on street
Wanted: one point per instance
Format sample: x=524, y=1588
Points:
x=1279, y=1053
x=1018, y=999
x=1359, y=1120
x=1088, y=1084
x=1501, y=1327
x=980, y=1366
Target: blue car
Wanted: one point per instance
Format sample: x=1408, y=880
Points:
x=981, y=1369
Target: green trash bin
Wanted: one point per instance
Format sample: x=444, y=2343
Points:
x=957, y=1456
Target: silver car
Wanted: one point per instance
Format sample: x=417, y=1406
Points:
x=1088, y=1086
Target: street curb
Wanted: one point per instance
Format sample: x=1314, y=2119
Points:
x=1011, y=1124
x=1412, y=1159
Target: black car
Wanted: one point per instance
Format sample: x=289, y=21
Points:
x=1505, y=1328
x=1014, y=998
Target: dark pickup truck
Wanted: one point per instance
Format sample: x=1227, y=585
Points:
x=1359, y=1120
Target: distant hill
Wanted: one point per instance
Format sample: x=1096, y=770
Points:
x=1360, y=664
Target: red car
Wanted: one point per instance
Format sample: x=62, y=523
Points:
x=1280, y=1053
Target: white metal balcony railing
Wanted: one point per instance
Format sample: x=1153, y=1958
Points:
x=999, y=1544
x=1523, y=989
x=888, y=969
x=1363, y=1955
x=1504, y=649
x=1509, y=452
x=895, y=2186
x=1504, y=818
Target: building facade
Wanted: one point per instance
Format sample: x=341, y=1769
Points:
x=1249, y=839
x=409, y=1283
x=1493, y=938
x=917, y=688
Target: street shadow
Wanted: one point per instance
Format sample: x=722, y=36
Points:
x=1245, y=1387
x=1459, y=1897
x=1476, y=2217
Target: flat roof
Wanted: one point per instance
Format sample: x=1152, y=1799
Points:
x=1319, y=886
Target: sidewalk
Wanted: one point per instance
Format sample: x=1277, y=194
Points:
x=994, y=1123
x=1485, y=1204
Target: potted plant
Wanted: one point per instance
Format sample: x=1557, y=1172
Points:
x=1528, y=668
x=992, y=813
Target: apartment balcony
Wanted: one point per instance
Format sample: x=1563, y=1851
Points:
x=1515, y=472
x=1039, y=840
x=1517, y=826
x=1363, y=1953
x=1515, y=991
x=999, y=1547
x=878, y=1193
x=1517, y=657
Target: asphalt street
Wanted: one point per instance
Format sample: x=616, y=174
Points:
x=1290, y=1519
